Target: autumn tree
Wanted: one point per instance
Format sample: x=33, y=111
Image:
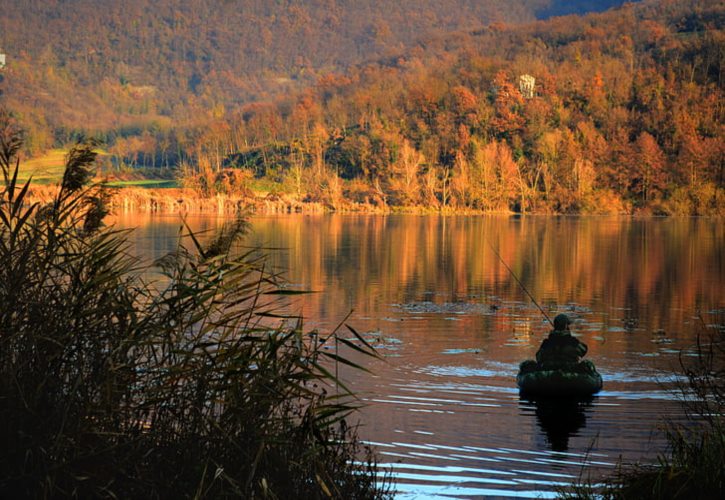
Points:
x=405, y=183
x=508, y=104
x=650, y=178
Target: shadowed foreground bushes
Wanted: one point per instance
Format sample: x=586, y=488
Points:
x=694, y=466
x=111, y=386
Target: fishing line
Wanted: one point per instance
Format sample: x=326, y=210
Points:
x=519, y=282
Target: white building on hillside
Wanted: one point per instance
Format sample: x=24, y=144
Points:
x=527, y=84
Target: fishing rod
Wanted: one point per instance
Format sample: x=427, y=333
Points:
x=519, y=282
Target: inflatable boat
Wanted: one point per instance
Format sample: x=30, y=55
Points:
x=579, y=381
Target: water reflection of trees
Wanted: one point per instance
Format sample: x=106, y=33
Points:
x=654, y=273
x=661, y=271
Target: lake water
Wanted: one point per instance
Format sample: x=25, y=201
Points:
x=452, y=324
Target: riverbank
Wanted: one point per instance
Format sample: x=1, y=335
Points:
x=185, y=200
x=182, y=200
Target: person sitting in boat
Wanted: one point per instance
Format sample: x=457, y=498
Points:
x=558, y=370
x=561, y=350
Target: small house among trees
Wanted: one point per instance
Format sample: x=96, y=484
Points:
x=526, y=86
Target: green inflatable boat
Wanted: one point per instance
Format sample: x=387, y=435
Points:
x=580, y=380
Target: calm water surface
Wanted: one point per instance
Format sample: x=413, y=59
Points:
x=452, y=325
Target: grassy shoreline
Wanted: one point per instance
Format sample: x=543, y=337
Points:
x=183, y=200
x=149, y=198
x=161, y=192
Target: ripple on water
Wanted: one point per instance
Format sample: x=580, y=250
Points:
x=467, y=371
x=461, y=351
x=430, y=463
x=439, y=477
x=429, y=466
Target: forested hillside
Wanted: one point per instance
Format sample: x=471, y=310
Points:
x=109, y=67
x=624, y=113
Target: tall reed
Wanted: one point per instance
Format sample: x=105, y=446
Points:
x=111, y=386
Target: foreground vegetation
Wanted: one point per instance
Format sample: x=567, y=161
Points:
x=115, y=387
x=693, y=467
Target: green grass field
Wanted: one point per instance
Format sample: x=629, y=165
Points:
x=145, y=183
x=46, y=169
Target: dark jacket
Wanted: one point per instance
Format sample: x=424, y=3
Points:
x=560, y=350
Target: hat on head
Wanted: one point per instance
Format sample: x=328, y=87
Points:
x=561, y=322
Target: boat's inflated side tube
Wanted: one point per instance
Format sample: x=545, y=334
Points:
x=580, y=380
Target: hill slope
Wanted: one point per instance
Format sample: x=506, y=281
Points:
x=104, y=65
